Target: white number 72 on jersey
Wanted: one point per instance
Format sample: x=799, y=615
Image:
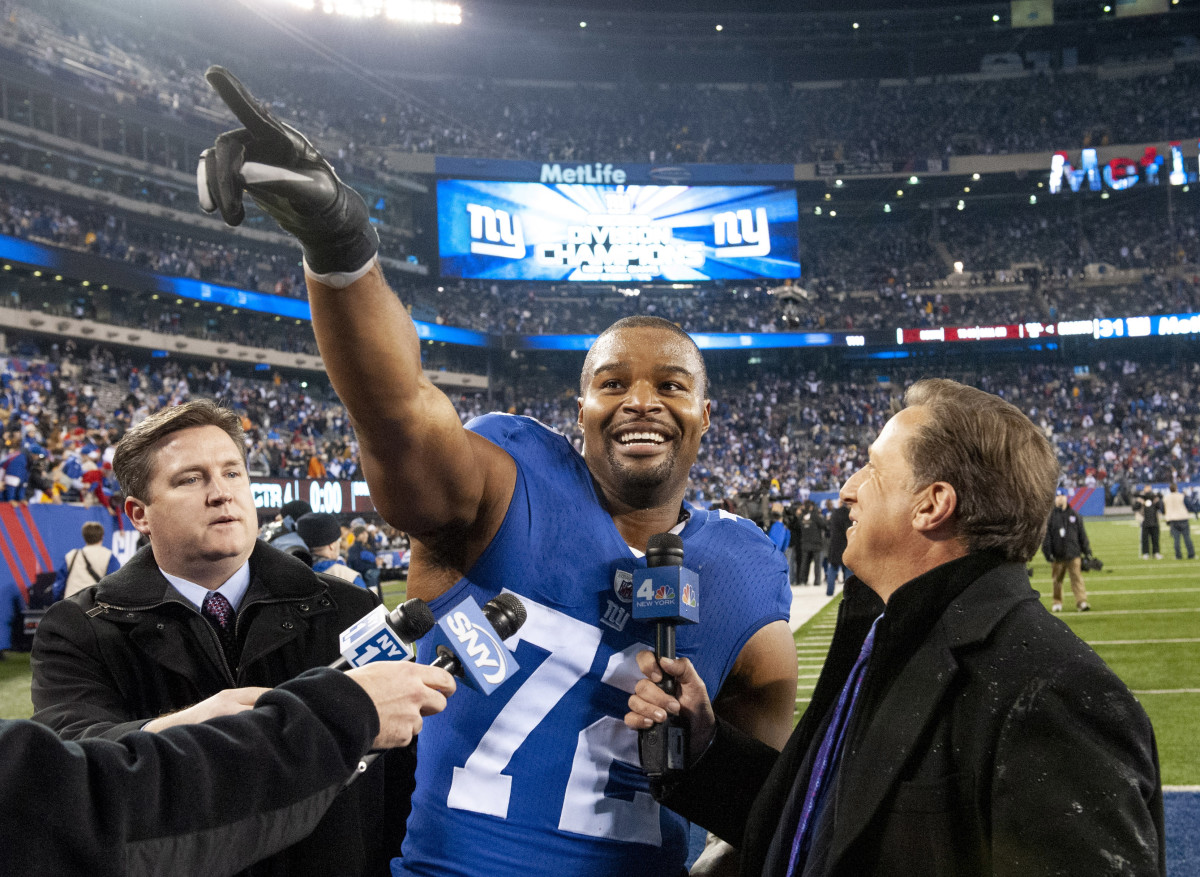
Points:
x=480, y=784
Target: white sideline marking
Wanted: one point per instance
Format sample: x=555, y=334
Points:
x=1137, y=611
x=1139, y=642
x=1166, y=690
x=1108, y=593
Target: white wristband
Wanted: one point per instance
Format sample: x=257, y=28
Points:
x=341, y=279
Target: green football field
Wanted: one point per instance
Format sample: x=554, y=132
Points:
x=1145, y=622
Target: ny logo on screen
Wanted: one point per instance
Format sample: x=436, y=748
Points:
x=746, y=234
x=496, y=232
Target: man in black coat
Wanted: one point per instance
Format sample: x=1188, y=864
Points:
x=1065, y=545
x=839, y=524
x=958, y=728
x=808, y=528
x=1149, y=505
x=204, y=799
x=207, y=607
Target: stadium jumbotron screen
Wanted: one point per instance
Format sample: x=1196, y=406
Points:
x=559, y=231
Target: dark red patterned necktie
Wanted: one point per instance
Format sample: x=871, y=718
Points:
x=223, y=619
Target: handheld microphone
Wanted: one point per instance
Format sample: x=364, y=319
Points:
x=667, y=594
x=472, y=646
x=383, y=636
x=471, y=641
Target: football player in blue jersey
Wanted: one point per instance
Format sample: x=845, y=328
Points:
x=544, y=770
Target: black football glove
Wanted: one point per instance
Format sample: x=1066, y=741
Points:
x=287, y=177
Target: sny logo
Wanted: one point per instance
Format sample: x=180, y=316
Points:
x=481, y=646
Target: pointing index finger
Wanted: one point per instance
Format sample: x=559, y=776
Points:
x=250, y=112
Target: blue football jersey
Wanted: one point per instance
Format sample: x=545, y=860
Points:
x=543, y=773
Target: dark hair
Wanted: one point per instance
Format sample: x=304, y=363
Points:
x=92, y=532
x=643, y=322
x=133, y=462
x=1001, y=467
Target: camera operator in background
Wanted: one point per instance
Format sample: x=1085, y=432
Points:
x=1065, y=546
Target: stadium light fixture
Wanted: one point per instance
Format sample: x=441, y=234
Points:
x=966, y=188
x=996, y=19
x=887, y=208
x=975, y=177
x=912, y=181
x=958, y=267
x=817, y=210
x=1033, y=199
x=838, y=183
x=899, y=193
x=720, y=27
x=583, y=24
x=828, y=196
x=855, y=25
x=833, y=213
x=403, y=11
x=962, y=205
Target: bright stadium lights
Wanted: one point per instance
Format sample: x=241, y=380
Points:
x=962, y=205
x=833, y=213
x=855, y=25
x=958, y=267
x=966, y=188
x=913, y=180
x=583, y=24
x=720, y=27
x=1033, y=199
x=887, y=208
x=996, y=18
x=406, y=11
x=838, y=183
x=828, y=196
x=817, y=210
x=975, y=177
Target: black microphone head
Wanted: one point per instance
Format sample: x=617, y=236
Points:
x=664, y=549
x=412, y=619
x=506, y=613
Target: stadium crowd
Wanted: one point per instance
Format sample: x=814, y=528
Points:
x=857, y=276
x=862, y=121
x=1117, y=424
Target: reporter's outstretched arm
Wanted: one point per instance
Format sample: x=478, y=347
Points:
x=204, y=799
x=428, y=474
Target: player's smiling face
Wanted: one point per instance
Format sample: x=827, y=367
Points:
x=642, y=412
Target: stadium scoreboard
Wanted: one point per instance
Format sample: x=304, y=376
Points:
x=562, y=231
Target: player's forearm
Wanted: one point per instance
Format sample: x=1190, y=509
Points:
x=367, y=341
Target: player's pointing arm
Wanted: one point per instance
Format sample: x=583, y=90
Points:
x=427, y=474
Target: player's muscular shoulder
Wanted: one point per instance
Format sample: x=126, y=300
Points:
x=441, y=557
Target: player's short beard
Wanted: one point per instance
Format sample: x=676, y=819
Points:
x=642, y=484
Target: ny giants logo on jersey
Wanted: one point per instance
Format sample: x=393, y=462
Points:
x=623, y=585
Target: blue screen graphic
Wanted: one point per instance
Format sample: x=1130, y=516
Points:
x=622, y=234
